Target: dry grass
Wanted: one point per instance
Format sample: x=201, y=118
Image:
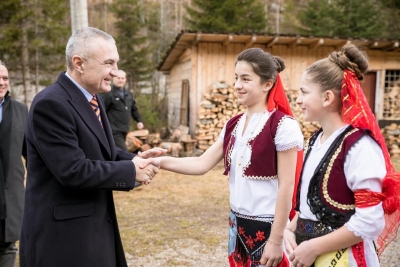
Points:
x=177, y=220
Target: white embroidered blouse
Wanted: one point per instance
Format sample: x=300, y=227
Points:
x=257, y=197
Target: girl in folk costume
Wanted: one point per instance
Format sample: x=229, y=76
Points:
x=259, y=149
x=348, y=186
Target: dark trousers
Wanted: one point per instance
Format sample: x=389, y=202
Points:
x=8, y=253
x=119, y=139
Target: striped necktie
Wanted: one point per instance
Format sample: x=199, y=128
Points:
x=96, y=109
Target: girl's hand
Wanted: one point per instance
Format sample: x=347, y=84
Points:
x=272, y=254
x=289, y=240
x=304, y=255
x=151, y=153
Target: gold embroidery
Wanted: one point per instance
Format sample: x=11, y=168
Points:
x=327, y=175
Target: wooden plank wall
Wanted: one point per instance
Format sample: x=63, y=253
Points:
x=180, y=71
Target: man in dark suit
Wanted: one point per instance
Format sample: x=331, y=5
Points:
x=13, y=116
x=73, y=164
x=120, y=107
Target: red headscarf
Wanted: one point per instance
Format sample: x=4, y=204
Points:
x=356, y=111
x=277, y=99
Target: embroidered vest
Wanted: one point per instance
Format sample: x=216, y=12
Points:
x=329, y=197
x=263, y=159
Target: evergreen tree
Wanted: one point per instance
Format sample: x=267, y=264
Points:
x=226, y=16
x=33, y=36
x=392, y=16
x=343, y=18
x=133, y=46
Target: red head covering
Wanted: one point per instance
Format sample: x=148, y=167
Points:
x=356, y=111
x=277, y=99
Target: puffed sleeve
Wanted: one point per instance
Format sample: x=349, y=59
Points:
x=364, y=168
x=288, y=135
x=222, y=134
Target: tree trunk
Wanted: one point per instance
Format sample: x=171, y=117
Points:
x=79, y=14
x=26, y=76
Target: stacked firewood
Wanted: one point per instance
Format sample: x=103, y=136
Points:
x=141, y=140
x=218, y=106
x=392, y=138
x=391, y=106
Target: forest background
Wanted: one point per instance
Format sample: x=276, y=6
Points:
x=33, y=34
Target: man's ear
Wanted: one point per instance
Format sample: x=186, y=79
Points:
x=328, y=98
x=77, y=61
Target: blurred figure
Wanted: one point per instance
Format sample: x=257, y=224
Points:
x=13, y=116
x=120, y=107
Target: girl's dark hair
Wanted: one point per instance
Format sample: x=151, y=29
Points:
x=264, y=64
x=328, y=72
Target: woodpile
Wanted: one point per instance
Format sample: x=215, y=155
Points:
x=391, y=106
x=392, y=138
x=218, y=106
x=141, y=140
x=177, y=142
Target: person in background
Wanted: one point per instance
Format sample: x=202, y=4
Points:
x=13, y=116
x=259, y=149
x=348, y=184
x=74, y=165
x=120, y=107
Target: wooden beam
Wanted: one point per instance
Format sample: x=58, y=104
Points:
x=228, y=40
x=272, y=42
x=341, y=44
x=394, y=46
x=316, y=44
x=295, y=42
x=197, y=40
x=251, y=41
x=373, y=44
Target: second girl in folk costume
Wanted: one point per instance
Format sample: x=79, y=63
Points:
x=348, y=185
x=259, y=149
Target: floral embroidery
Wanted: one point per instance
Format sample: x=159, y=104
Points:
x=260, y=236
x=250, y=241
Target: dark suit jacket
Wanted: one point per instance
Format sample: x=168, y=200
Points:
x=73, y=166
x=120, y=110
x=12, y=171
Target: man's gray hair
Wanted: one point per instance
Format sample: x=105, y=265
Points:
x=80, y=43
x=3, y=64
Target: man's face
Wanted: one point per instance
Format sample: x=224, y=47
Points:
x=100, y=67
x=120, y=80
x=3, y=82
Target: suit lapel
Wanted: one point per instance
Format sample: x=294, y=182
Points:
x=85, y=111
x=106, y=126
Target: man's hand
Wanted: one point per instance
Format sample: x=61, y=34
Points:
x=140, y=125
x=146, y=174
x=152, y=153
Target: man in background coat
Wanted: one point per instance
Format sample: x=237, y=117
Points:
x=74, y=165
x=13, y=116
x=120, y=107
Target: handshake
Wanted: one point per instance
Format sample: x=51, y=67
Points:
x=147, y=165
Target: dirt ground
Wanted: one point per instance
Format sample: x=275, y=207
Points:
x=177, y=220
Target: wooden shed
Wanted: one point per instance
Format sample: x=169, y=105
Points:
x=196, y=60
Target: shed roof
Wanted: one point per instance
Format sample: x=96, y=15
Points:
x=186, y=39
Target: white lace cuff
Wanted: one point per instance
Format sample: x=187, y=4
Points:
x=283, y=147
